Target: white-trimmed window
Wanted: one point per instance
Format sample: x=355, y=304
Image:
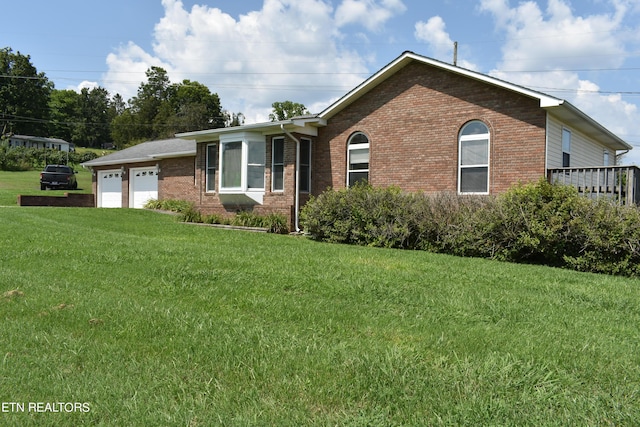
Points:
x=605, y=155
x=212, y=165
x=358, y=159
x=242, y=165
x=231, y=165
x=305, y=165
x=566, y=148
x=277, y=164
x=473, y=159
x=255, y=165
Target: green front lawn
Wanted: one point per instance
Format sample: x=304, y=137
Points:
x=13, y=184
x=154, y=322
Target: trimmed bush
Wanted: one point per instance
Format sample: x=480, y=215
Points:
x=537, y=223
x=387, y=217
x=533, y=223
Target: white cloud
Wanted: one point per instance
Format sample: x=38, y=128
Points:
x=289, y=49
x=371, y=14
x=85, y=84
x=433, y=32
x=555, y=38
x=127, y=67
x=557, y=41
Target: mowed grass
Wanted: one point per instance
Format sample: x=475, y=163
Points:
x=27, y=183
x=154, y=322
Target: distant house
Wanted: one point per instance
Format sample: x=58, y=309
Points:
x=419, y=124
x=40, y=142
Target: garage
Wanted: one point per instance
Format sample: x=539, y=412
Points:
x=144, y=186
x=109, y=189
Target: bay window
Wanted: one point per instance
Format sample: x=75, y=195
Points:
x=242, y=163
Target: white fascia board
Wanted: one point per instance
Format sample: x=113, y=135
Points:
x=242, y=136
x=306, y=126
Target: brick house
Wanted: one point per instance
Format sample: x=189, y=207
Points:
x=419, y=124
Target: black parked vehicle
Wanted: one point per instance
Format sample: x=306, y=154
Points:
x=58, y=176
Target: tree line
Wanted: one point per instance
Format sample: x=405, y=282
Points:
x=30, y=105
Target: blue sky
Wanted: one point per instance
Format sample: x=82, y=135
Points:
x=255, y=52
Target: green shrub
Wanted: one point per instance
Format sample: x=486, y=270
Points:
x=608, y=236
x=276, y=223
x=212, y=219
x=153, y=204
x=247, y=219
x=536, y=223
x=361, y=215
x=190, y=215
x=533, y=223
x=171, y=205
x=387, y=217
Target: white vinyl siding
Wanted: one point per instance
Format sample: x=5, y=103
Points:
x=584, y=151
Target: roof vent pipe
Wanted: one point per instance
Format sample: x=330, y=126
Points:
x=455, y=54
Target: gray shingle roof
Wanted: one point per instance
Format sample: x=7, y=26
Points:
x=147, y=151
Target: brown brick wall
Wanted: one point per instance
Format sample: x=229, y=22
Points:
x=176, y=179
x=413, y=119
x=74, y=200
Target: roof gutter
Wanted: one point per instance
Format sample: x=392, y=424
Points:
x=296, y=221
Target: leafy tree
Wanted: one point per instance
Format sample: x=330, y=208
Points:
x=195, y=107
x=162, y=109
x=24, y=95
x=147, y=106
x=63, y=105
x=117, y=105
x=125, y=129
x=82, y=118
x=93, y=118
x=233, y=119
x=286, y=110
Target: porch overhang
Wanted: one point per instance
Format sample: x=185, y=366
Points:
x=572, y=116
x=306, y=125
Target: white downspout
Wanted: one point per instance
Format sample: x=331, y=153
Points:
x=296, y=222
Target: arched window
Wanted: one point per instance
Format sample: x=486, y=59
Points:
x=473, y=158
x=358, y=159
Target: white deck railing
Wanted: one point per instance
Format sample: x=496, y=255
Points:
x=619, y=183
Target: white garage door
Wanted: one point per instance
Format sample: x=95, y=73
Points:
x=109, y=189
x=144, y=186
